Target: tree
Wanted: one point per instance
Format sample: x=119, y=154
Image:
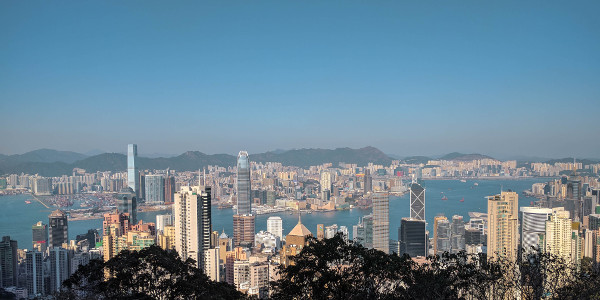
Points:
x=151, y=273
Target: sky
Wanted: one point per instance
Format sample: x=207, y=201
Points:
x=410, y=78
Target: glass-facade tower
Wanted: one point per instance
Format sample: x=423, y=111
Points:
x=243, y=184
x=132, y=171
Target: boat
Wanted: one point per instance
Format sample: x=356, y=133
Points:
x=27, y=202
x=444, y=197
x=463, y=199
x=463, y=180
x=475, y=184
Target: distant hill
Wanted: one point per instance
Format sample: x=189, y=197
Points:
x=416, y=159
x=313, y=157
x=191, y=161
x=44, y=156
x=464, y=157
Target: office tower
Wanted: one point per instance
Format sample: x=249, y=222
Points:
x=243, y=230
x=381, y=222
x=59, y=229
x=436, y=219
x=155, y=189
x=127, y=204
x=132, y=171
x=367, y=182
x=458, y=234
x=211, y=264
x=417, y=201
x=34, y=261
x=413, y=239
x=59, y=268
x=363, y=231
x=192, y=225
x=169, y=189
x=162, y=221
x=558, y=233
x=40, y=236
x=442, y=236
x=243, y=184
x=275, y=226
x=503, y=222
x=594, y=221
x=330, y=231
x=8, y=262
x=142, y=181
x=320, y=232
x=533, y=227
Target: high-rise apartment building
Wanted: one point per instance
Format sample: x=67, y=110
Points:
x=381, y=222
x=8, y=262
x=533, y=227
x=155, y=189
x=275, y=226
x=127, y=204
x=558, y=233
x=503, y=235
x=211, y=264
x=325, y=180
x=59, y=229
x=192, y=223
x=243, y=184
x=417, y=201
x=162, y=221
x=40, y=236
x=243, y=230
x=413, y=238
x=132, y=171
x=169, y=189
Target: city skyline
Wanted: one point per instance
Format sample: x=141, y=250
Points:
x=505, y=78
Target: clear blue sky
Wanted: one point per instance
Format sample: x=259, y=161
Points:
x=500, y=78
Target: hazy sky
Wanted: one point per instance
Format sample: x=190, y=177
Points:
x=502, y=78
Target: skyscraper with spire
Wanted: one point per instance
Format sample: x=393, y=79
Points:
x=132, y=171
x=243, y=184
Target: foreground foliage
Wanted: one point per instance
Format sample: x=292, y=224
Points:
x=151, y=273
x=335, y=269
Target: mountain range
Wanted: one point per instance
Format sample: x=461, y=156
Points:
x=47, y=162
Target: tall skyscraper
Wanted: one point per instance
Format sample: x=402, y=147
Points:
x=127, y=204
x=381, y=222
x=192, y=223
x=503, y=224
x=412, y=236
x=40, y=236
x=34, y=261
x=243, y=184
x=441, y=235
x=457, y=234
x=59, y=229
x=436, y=232
x=8, y=262
x=169, y=188
x=325, y=180
x=59, y=268
x=132, y=171
x=155, y=189
x=533, y=227
x=367, y=182
x=417, y=201
x=275, y=226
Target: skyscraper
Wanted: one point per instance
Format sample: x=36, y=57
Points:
x=243, y=230
x=8, y=262
x=436, y=232
x=417, y=201
x=59, y=229
x=381, y=222
x=59, y=268
x=275, y=226
x=40, y=236
x=243, y=184
x=127, y=204
x=533, y=227
x=34, y=261
x=503, y=225
x=558, y=233
x=367, y=182
x=132, y=171
x=155, y=189
x=192, y=223
x=441, y=235
x=169, y=188
x=412, y=236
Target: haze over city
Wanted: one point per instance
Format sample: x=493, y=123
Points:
x=501, y=79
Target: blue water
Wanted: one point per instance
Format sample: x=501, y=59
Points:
x=16, y=217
